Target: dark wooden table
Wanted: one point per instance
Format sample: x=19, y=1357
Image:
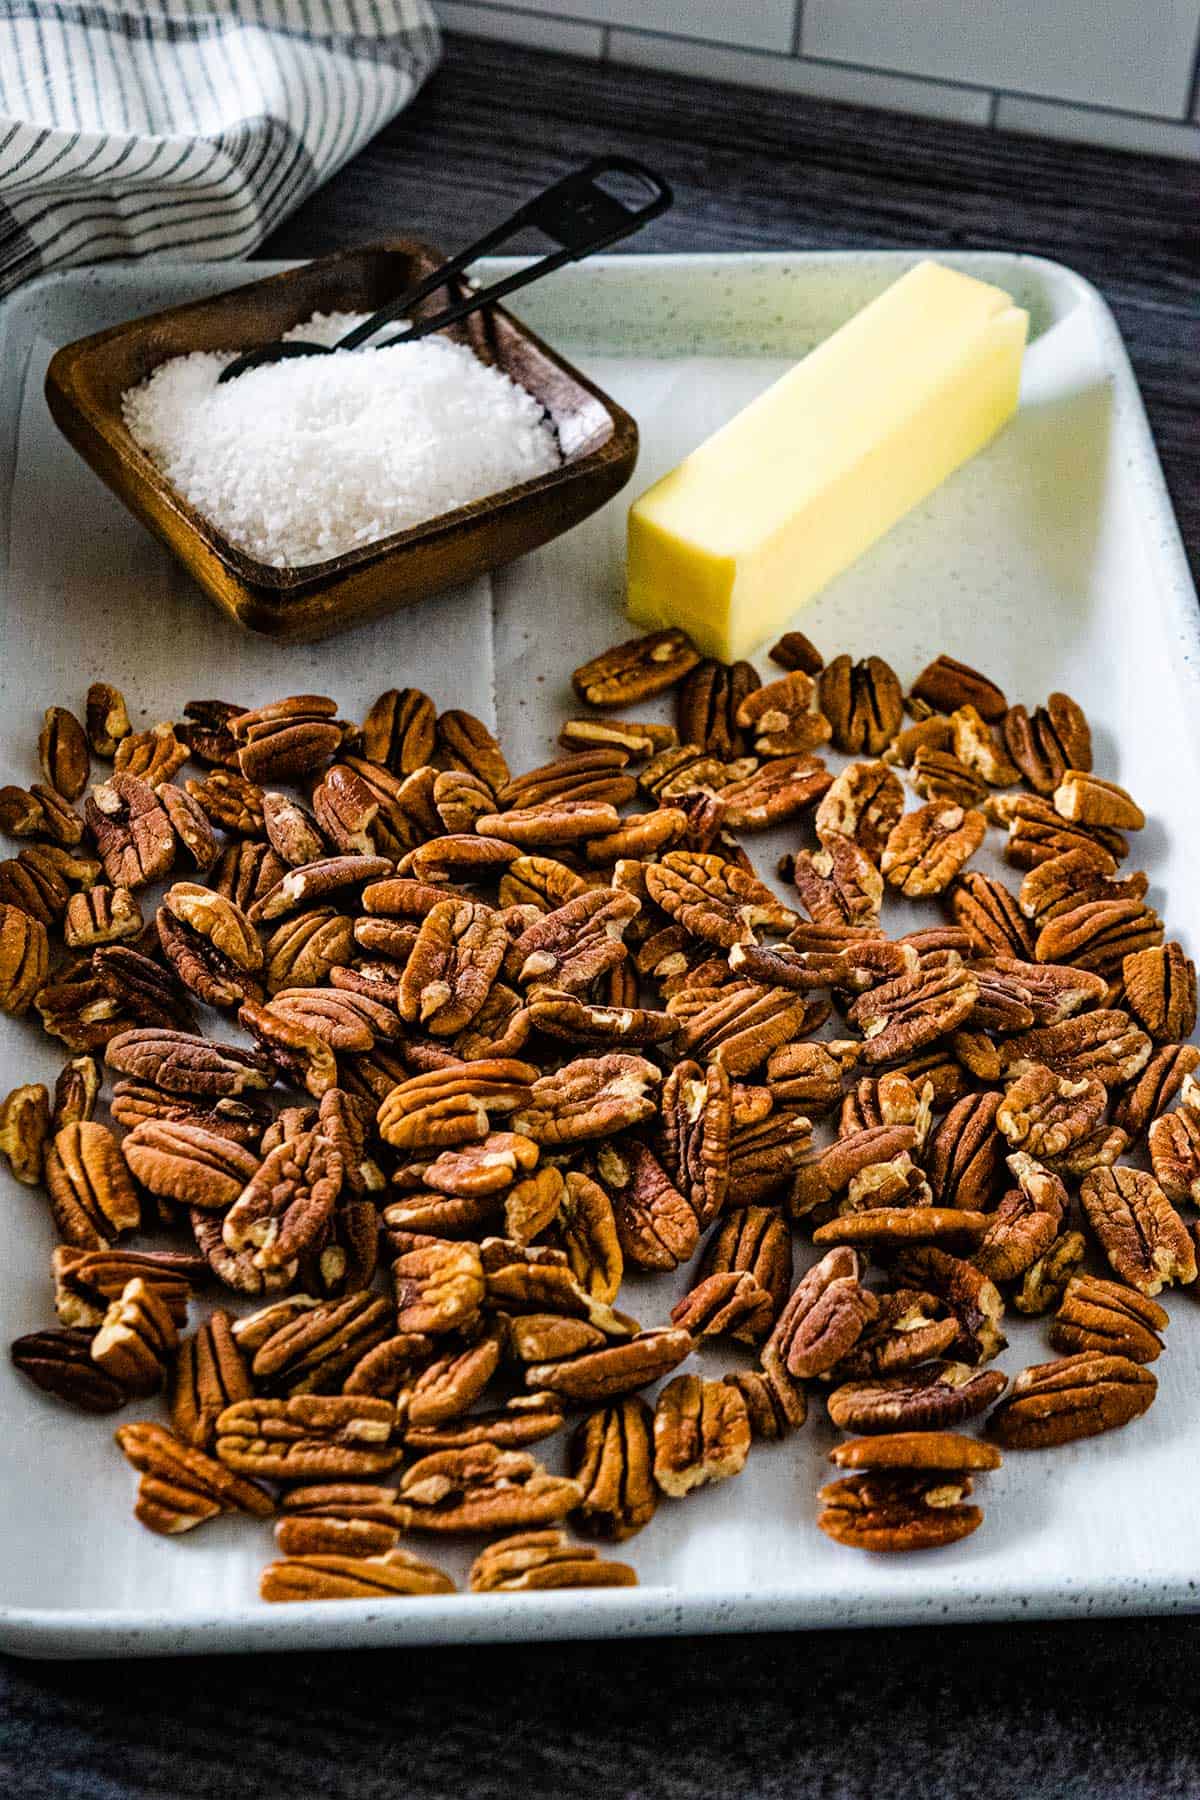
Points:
x=1079, y=1711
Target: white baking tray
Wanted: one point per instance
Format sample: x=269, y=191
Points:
x=1052, y=560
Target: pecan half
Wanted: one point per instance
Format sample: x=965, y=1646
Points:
x=977, y=747
x=714, y=899
x=636, y=737
x=930, y=1398
x=1085, y=799
x=287, y=738
x=1160, y=991
x=101, y=915
x=207, y=1376
x=25, y=1128
x=1175, y=1145
x=657, y=1226
x=1076, y=1397
x=319, y=1437
x=863, y=702
x=1055, y=739
x=24, y=959
x=132, y=831
x=620, y=1368
x=210, y=944
x=523, y=1420
x=806, y=1075
x=754, y=1240
x=575, y=944
x=838, y=884
x=179, y=1160
x=927, y=848
x=971, y=1297
x=824, y=1318
x=154, y=756
x=738, y=1024
x=306, y=1346
x=589, y=1098
x=60, y=1363
x=1146, y=1242
x=535, y=1561
x=991, y=915
x=894, y=1227
x=775, y=1404
x=783, y=787
x=928, y=1452
x=940, y=776
x=483, y=1488
x=1105, y=1044
x=106, y=717
x=701, y=1434
x=1099, y=934
x=136, y=1339
x=865, y=803
x=729, y=1304
x=1044, y=1281
x=1107, y=1316
x=611, y=1458
x=32, y=882
x=399, y=730
x=1037, y=834
x=696, y=1115
x=316, y=881
x=467, y=744
x=884, y=1511
x=180, y=1063
x=635, y=670
x=182, y=1486
x=901, y=1016
x=448, y=1106
x=63, y=752
x=91, y=1196
x=304, y=950
x=395, y=1574
x=945, y=685
x=795, y=651
x=1046, y=1114
x=439, y=1287
x=287, y=1203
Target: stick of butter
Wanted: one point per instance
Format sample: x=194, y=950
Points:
x=760, y=517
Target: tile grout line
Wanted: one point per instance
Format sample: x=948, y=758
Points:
x=797, y=27
x=1192, y=104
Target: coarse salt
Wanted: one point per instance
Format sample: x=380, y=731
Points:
x=298, y=461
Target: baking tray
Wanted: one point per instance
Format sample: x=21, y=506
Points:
x=1052, y=560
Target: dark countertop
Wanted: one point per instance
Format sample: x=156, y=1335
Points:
x=1078, y=1711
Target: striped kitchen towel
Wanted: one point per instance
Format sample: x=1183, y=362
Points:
x=186, y=128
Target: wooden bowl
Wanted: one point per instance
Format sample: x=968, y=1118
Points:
x=598, y=440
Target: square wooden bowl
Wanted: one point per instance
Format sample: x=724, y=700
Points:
x=597, y=438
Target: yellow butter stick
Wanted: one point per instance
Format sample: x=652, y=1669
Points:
x=777, y=502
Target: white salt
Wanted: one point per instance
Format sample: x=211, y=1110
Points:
x=298, y=461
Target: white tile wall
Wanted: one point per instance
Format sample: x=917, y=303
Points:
x=566, y=35
x=857, y=87
x=1120, y=72
x=1132, y=54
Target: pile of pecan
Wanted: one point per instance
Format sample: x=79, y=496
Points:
x=504, y=1037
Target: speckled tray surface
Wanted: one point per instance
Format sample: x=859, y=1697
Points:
x=1052, y=560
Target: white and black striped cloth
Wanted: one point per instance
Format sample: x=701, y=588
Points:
x=186, y=128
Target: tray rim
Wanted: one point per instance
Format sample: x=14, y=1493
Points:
x=62, y=1633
